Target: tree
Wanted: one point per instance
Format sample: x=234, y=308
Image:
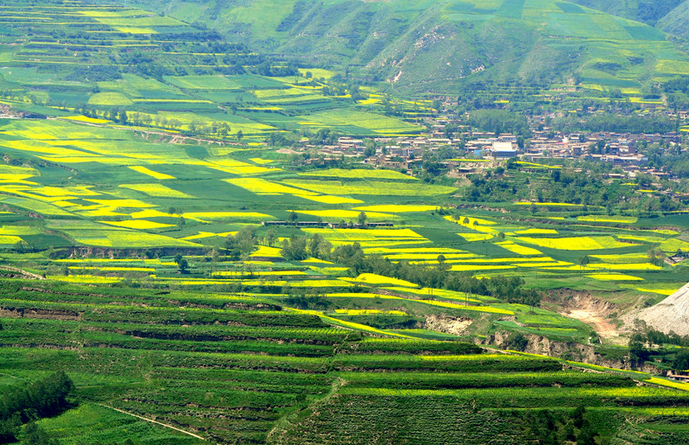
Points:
x=180, y=222
x=584, y=261
x=370, y=149
x=183, y=265
x=122, y=117
x=22, y=246
x=271, y=237
x=362, y=218
x=240, y=135
x=35, y=435
x=294, y=248
x=293, y=217
x=318, y=246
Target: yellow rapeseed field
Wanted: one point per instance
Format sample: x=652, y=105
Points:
x=492, y=310
x=263, y=187
x=151, y=173
x=397, y=208
x=331, y=199
x=9, y=239
x=157, y=190
x=371, y=278
x=265, y=251
x=85, y=279
x=360, y=173
x=659, y=289
x=221, y=216
x=114, y=268
x=149, y=213
x=380, y=188
x=139, y=224
x=336, y=215
x=623, y=258
x=471, y=237
x=613, y=277
x=518, y=249
x=465, y=267
x=576, y=243
x=536, y=232
x=624, y=266
x=368, y=312
x=115, y=203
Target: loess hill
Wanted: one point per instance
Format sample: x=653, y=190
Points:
x=440, y=46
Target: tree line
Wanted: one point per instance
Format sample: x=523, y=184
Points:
x=43, y=398
x=439, y=276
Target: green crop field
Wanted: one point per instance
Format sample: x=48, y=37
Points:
x=201, y=349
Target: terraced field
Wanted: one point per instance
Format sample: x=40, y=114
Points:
x=129, y=64
x=201, y=286
x=240, y=369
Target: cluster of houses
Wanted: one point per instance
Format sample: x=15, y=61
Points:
x=402, y=153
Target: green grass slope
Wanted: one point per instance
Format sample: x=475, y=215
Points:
x=646, y=11
x=438, y=45
x=676, y=20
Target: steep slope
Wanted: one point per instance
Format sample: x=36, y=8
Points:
x=442, y=45
x=676, y=21
x=646, y=11
x=671, y=314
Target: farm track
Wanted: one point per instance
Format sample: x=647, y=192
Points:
x=153, y=421
x=24, y=273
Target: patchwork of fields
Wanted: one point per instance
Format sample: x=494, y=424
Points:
x=150, y=70
x=236, y=294
x=87, y=204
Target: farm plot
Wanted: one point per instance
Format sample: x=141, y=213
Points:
x=378, y=188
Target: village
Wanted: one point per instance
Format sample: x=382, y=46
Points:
x=478, y=149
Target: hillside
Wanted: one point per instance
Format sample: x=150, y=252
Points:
x=185, y=368
x=253, y=222
x=676, y=21
x=646, y=11
x=438, y=46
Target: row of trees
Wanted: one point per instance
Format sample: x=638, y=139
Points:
x=510, y=289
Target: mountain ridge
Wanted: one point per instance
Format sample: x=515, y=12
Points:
x=440, y=46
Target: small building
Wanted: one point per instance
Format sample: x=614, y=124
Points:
x=503, y=150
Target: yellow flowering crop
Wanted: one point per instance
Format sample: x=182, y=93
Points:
x=151, y=173
x=157, y=190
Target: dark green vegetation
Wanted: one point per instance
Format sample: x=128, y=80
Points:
x=238, y=369
x=42, y=398
x=651, y=12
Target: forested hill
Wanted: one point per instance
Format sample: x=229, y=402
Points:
x=440, y=45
